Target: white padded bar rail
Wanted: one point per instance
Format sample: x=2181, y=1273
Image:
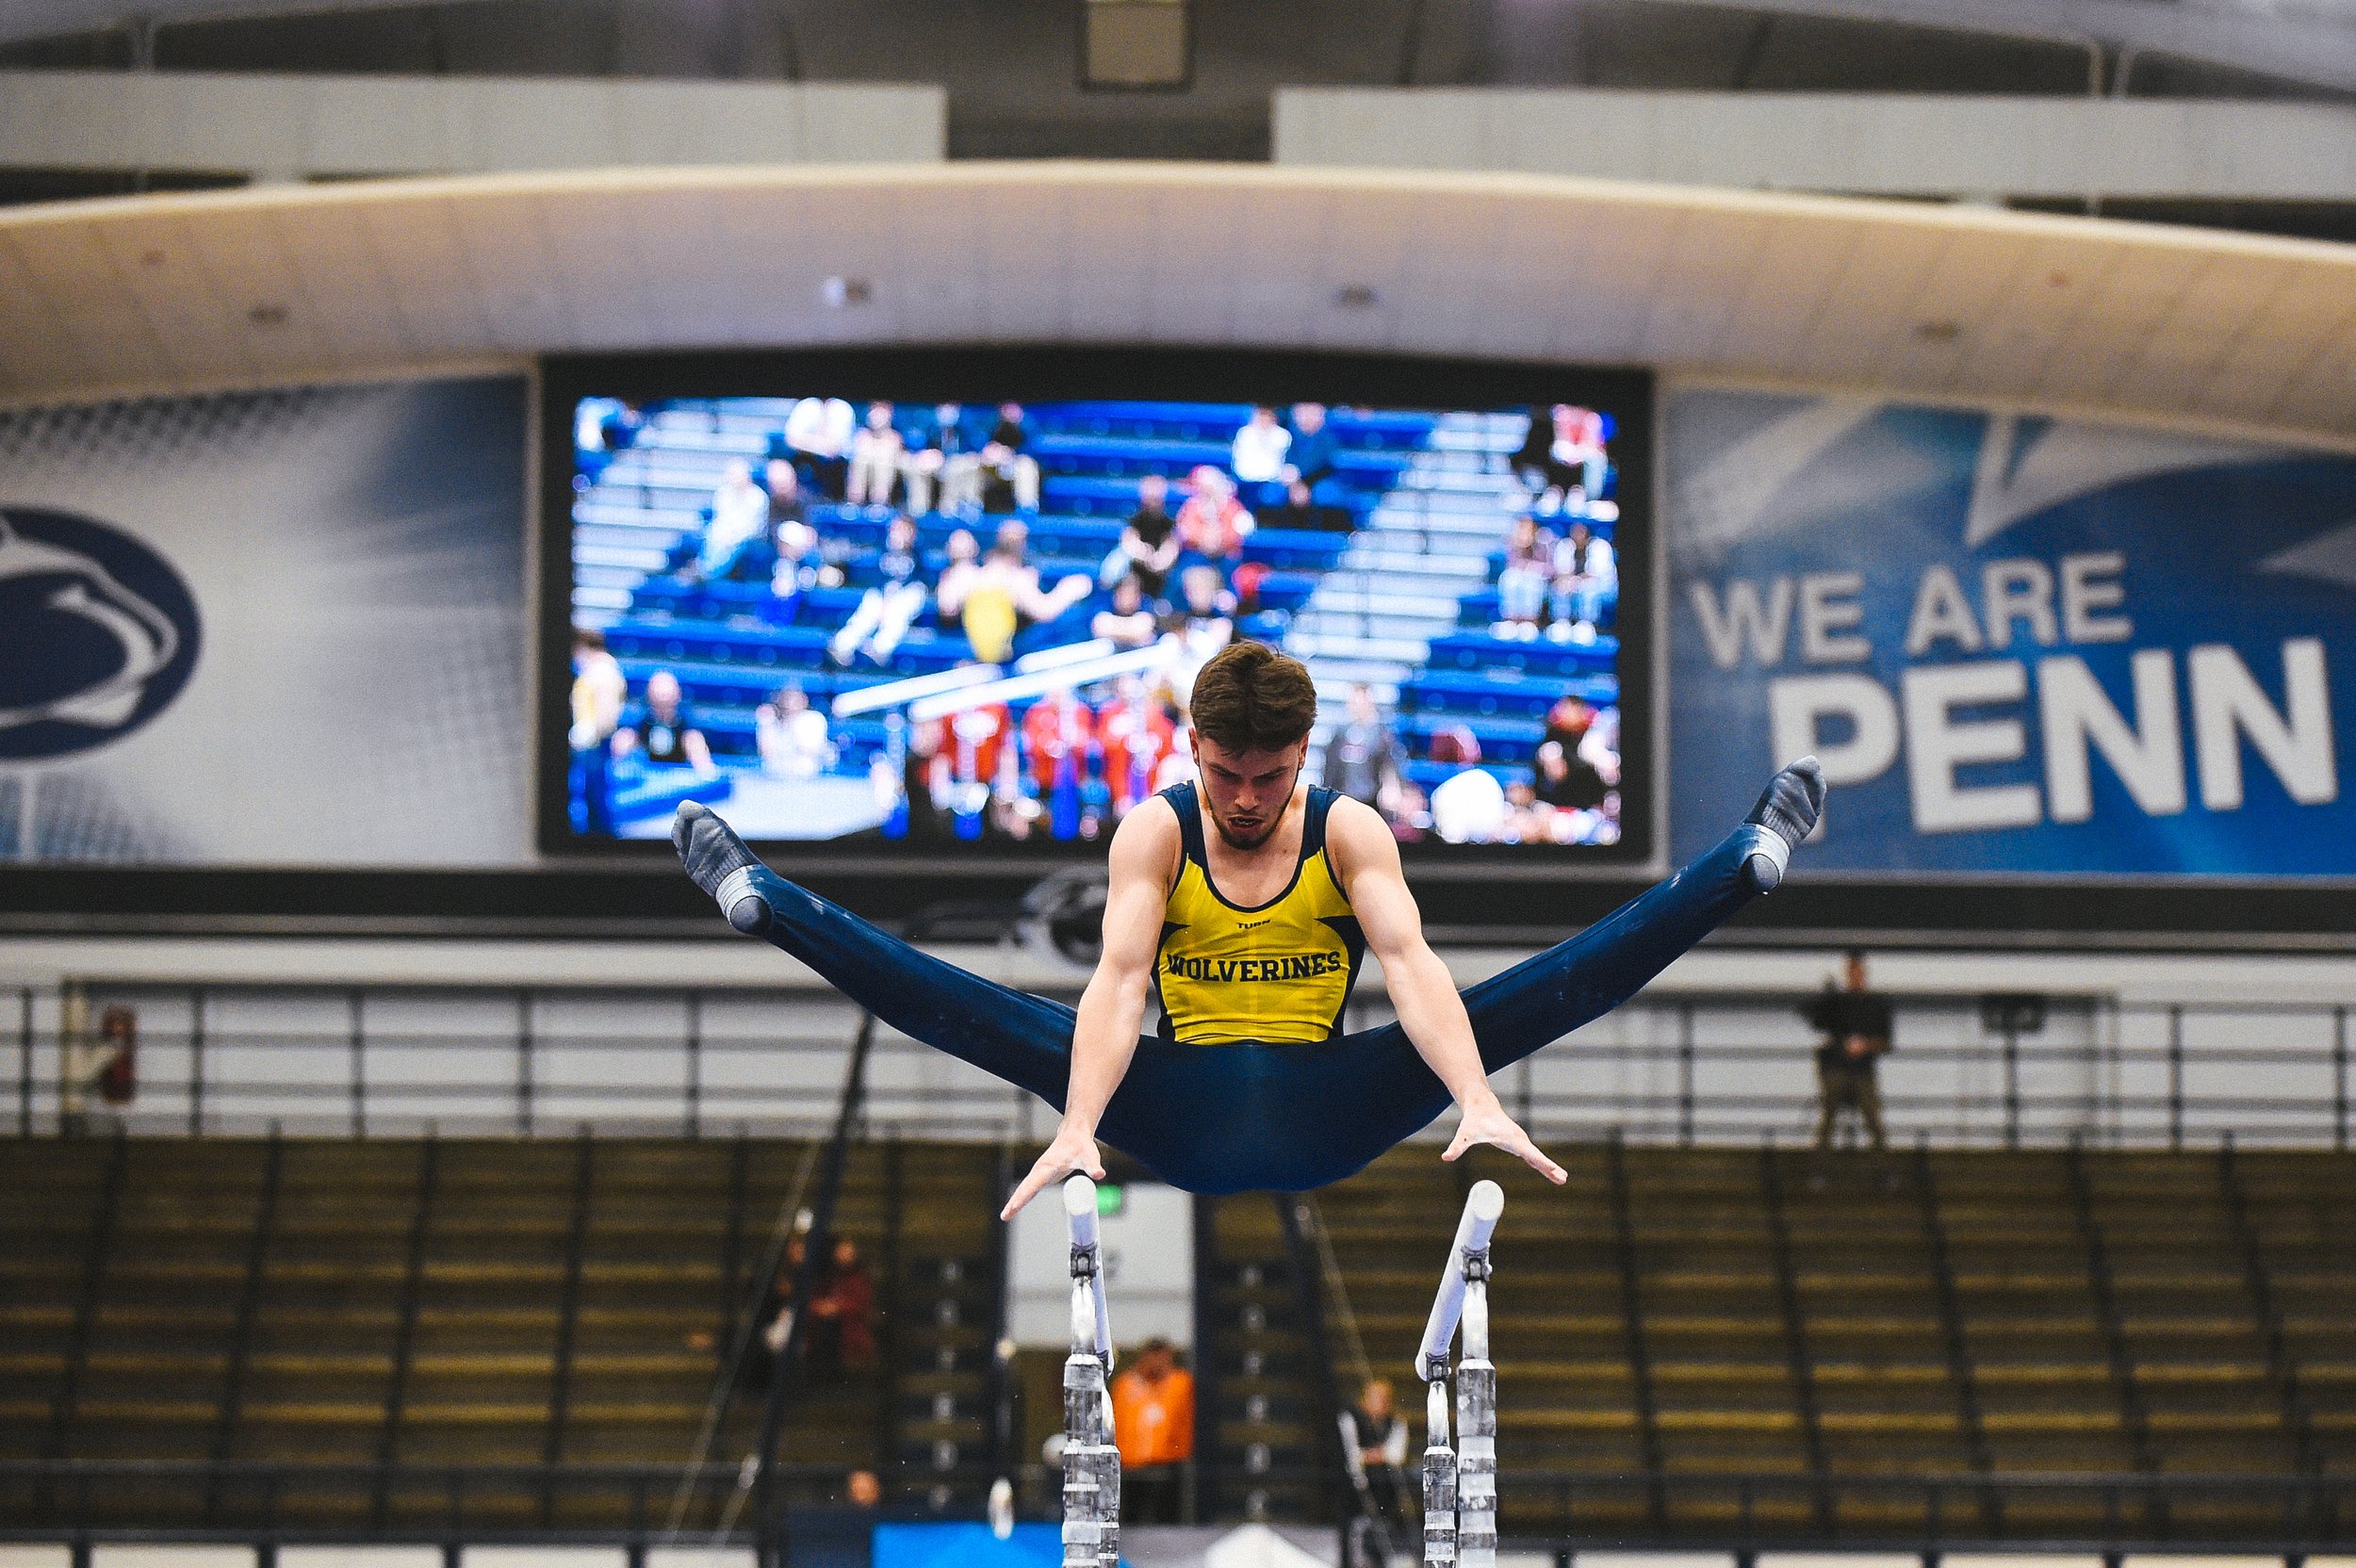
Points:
x=1079, y=1209
x=1482, y=1207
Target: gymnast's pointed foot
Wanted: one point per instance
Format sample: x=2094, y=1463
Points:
x=718, y=862
x=1787, y=809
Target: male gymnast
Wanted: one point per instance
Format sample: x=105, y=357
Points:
x=1249, y=898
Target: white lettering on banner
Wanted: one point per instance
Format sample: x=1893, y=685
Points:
x=1827, y=603
x=2018, y=591
x=1937, y=744
x=2228, y=703
x=1941, y=613
x=2082, y=595
x=2148, y=755
x=1798, y=706
x=1768, y=626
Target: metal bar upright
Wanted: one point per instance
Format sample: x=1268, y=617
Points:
x=568, y=1318
x=1439, y=1480
x=523, y=1063
x=695, y=1117
x=249, y=1315
x=196, y=1062
x=2340, y=1074
x=768, y=1516
x=356, y=1044
x=1091, y=1461
x=405, y=1323
x=2176, y=1077
x=24, y=1065
x=1685, y=1074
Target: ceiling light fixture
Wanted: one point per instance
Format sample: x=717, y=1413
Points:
x=838, y=293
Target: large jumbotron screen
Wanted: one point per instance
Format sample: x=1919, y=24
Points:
x=956, y=603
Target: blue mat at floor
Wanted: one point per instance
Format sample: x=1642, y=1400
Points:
x=967, y=1545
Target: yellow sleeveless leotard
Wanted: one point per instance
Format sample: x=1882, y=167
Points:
x=1276, y=974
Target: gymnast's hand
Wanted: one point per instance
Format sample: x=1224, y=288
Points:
x=1073, y=1150
x=1485, y=1122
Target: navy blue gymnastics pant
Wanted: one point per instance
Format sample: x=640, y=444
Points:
x=1220, y=1118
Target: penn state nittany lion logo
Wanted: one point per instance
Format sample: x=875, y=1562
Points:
x=98, y=634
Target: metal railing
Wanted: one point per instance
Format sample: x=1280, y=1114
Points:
x=1542, y=1509
x=1693, y=1069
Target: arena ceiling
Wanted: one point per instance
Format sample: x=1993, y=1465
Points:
x=274, y=285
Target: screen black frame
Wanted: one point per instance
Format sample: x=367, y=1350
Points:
x=1050, y=372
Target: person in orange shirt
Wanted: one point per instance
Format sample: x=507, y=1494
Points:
x=1058, y=729
x=1153, y=1427
x=1137, y=733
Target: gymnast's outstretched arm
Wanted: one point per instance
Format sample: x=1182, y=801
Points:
x=1365, y=860
x=1143, y=862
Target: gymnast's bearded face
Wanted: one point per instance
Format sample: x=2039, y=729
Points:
x=1245, y=792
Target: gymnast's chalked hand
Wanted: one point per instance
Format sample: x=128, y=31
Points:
x=1072, y=1150
x=1486, y=1122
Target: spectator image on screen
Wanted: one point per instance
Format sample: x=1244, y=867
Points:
x=947, y=623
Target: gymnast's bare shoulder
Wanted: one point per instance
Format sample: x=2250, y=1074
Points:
x=1148, y=845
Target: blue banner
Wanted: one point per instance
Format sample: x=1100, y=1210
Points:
x=2021, y=646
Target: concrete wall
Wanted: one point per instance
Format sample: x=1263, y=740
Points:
x=1858, y=143
x=296, y=127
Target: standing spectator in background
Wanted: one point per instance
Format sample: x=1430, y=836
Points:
x=1300, y=511
x=1257, y=456
x=842, y=1330
x=1855, y=1023
x=818, y=435
x=926, y=780
x=783, y=483
x=1137, y=733
x=1000, y=477
x=662, y=727
x=1374, y=1446
x=1059, y=735
x=1361, y=757
x=740, y=514
x=787, y=512
x=777, y=1321
x=1522, y=582
x=1310, y=457
x=1563, y=450
x=994, y=601
x=1153, y=1428
x=601, y=427
x=1566, y=780
x=799, y=567
x=1057, y=729
x=101, y=1064
x=598, y=692
x=889, y=608
x=1586, y=581
x=981, y=765
x=959, y=574
x=936, y=450
x=875, y=453
x=791, y=736
x=1128, y=623
x=1586, y=735
x=1203, y=624
x=1213, y=524
x=839, y=1534
x=1148, y=550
